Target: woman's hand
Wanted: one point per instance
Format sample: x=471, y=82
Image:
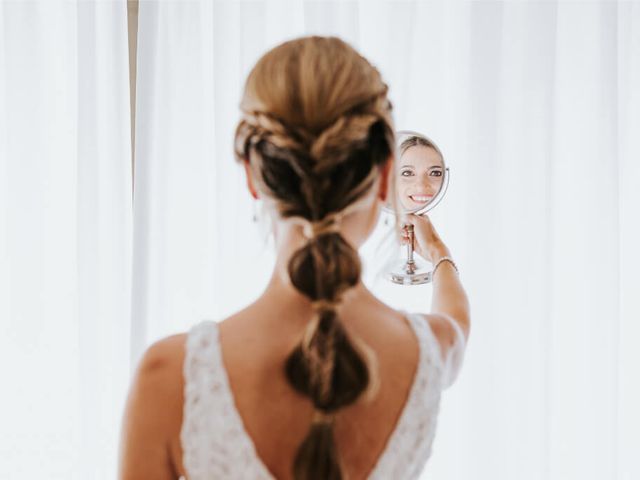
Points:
x=427, y=243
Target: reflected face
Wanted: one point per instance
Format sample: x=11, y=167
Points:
x=419, y=176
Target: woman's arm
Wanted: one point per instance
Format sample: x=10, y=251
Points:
x=448, y=296
x=153, y=412
x=449, y=302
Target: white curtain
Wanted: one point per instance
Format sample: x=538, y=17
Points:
x=535, y=105
x=536, y=108
x=65, y=237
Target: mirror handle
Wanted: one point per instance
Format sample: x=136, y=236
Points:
x=410, y=265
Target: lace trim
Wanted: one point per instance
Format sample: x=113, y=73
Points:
x=455, y=356
x=409, y=446
x=216, y=444
x=214, y=441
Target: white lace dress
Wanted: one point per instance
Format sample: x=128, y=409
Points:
x=216, y=445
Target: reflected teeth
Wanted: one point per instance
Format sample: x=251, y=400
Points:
x=420, y=198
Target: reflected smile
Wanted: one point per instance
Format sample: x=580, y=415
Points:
x=419, y=198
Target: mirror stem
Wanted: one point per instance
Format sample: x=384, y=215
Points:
x=410, y=267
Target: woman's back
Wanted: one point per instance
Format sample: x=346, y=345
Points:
x=316, y=373
x=242, y=418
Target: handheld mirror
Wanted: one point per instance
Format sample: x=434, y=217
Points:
x=419, y=181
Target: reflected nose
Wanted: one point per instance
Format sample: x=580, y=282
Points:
x=428, y=185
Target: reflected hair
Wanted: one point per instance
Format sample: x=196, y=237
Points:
x=316, y=128
x=416, y=140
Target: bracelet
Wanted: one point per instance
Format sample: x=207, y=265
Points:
x=444, y=259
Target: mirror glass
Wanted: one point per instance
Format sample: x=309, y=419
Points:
x=420, y=177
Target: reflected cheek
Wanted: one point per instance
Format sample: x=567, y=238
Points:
x=406, y=202
x=405, y=186
x=434, y=184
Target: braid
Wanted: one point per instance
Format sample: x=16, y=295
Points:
x=260, y=135
x=257, y=127
x=329, y=366
x=329, y=148
x=316, y=160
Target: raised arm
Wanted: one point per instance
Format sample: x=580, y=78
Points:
x=449, y=302
x=448, y=296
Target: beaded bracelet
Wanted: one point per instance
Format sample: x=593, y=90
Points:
x=444, y=259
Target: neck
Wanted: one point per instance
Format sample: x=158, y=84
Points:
x=355, y=226
x=288, y=239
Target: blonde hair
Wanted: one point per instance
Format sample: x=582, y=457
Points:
x=417, y=141
x=316, y=123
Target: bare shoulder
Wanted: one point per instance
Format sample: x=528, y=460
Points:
x=160, y=367
x=153, y=412
x=163, y=355
x=159, y=375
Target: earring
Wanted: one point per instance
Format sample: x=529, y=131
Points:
x=254, y=216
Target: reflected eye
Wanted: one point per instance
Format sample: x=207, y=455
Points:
x=406, y=173
x=436, y=173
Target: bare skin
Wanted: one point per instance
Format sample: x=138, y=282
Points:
x=255, y=343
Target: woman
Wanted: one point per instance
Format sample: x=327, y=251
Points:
x=317, y=379
x=420, y=173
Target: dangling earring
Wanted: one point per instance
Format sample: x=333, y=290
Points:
x=254, y=216
x=386, y=218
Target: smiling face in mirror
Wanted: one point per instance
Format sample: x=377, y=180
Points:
x=419, y=174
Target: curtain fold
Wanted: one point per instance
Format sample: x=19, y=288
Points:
x=65, y=237
x=627, y=307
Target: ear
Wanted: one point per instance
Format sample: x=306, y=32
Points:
x=385, y=171
x=249, y=174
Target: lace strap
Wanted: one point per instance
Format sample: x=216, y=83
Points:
x=409, y=446
x=214, y=441
x=448, y=363
x=455, y=355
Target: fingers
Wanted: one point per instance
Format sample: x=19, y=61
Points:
x=425, y=236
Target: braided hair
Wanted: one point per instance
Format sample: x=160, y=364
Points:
x=316, y=123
